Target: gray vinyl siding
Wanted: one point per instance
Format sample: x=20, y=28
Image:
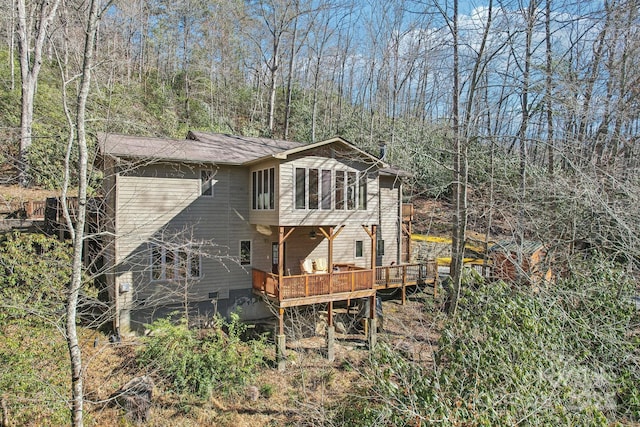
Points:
x=344, y=246
x=390, y=200
x=162, y=204
x=299, y=246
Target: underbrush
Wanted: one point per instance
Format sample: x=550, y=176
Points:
x=199, y=362
x=34, y=380
x=560, y=356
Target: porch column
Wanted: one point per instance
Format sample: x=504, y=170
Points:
x=330, y=236
x=330, y=268
x=373, y=237
x=281, y=238
x=281, y=342
x=330, y=254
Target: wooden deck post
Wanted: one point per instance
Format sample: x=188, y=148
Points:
x=331, y=332
x=281, y=342
x=374, y=255
x=373, y=323
x=331, y=351
x=281, y=238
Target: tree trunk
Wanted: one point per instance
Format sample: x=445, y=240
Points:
x=459, y=181
x=287, y=112
x=29, y=70
x=77, y=229
x=548, y=89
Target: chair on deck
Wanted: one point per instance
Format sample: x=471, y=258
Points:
x=321, y=265
x=306, y=266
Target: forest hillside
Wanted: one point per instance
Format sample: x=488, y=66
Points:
x=516, y=120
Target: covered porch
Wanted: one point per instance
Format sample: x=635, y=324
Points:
x=311, y=273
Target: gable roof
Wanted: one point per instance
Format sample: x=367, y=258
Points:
x=198, y=147
x=204, y=147
x=335, y=140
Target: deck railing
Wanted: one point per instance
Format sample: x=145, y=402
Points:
x=311, y=285
x=34, y=209
x=406, y=274
x=352, y=280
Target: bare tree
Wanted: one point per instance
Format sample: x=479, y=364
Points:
x=460, y=176
x=32, y=32
x=278, y=18
x=76, y=226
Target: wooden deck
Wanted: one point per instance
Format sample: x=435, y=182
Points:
x=291, y=291
x=395, y=276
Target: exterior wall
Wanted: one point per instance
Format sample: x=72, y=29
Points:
x=109, y=241
x=162, y=203
x=390, y=219
x=505, y=265
x=299, y=246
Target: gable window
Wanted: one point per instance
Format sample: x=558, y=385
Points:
x=339, y=189
x=313, y=188
x=245, y=252
x=264, y=188
x=362, y=192
x=301, y=188
x=359, y=248
x=174, y=264
x=206, y=182
x=351, y=190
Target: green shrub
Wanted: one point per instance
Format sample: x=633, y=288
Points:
x=561, y=356
x=267, y=390
x=202, y=361
x=34, y=272
x=34, y=373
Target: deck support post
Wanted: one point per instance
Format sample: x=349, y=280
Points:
x=372, y=338
x=331, y=352
x=404, y=293
x=281, y=357
x=373, y=323
x=331, y=332
x=281, y=342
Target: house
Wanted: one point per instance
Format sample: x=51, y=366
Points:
x=215, y=222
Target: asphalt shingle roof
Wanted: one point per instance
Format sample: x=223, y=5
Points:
x=198, y=147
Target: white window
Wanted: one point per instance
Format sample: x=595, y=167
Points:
x=207, y=182
x=359, y=248
x=264, y=189
x=314, y=189
x=174, y=264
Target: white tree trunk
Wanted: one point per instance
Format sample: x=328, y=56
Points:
x=30, y=68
